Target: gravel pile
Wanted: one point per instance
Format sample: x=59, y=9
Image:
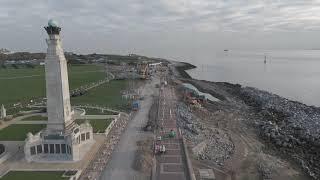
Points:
x=219, y=147
x=292, y=127
x=298, y=115
x=265, y=171
x=190, y=125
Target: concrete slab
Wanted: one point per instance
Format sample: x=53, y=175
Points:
x=179, y=176
x=172, y=167
x=173, y=152
x=170, y=159
x=172, y=146
x=206, y=174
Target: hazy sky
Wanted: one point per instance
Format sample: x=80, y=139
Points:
x=164, y=28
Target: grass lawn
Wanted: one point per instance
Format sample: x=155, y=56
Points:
x=35, y=118
x=18, y=132
x=22, y=84
x=108, y=95
x=94, y=111
x=34, y=175
x=99, y=125
x=15, y=110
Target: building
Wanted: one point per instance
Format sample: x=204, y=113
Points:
x=3, y=112
x=4, y=51
x=63, y=139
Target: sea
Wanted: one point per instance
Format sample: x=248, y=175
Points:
x=293, y=74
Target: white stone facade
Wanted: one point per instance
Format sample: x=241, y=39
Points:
x=63, y=140
x=45, y=147
x=57, y=85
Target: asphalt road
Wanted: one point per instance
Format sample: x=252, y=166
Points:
x=120, y=165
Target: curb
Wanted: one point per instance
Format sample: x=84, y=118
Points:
x=154, y=169
x=189, y=164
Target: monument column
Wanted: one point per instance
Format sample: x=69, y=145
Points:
x=57, y=84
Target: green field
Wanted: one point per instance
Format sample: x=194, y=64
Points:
x=18, y=132
x=35, y=118
x=12, y=110
x=98, y=125
x=18, y=85
x=107, y=95
x=34, y=175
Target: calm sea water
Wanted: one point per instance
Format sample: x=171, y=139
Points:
x=292, y=74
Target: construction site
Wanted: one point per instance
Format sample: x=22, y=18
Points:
x=228, y=137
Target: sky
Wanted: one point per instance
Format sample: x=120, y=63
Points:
x=176, y=29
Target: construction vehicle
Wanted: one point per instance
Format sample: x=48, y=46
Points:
x=172, y=134
x=160, y=149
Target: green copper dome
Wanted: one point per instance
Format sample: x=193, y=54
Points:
x=53, y=23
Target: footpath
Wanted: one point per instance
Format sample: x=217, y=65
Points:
x=171, y=165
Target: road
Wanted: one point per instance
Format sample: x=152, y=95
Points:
x=120, y=165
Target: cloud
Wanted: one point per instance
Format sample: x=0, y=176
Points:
x=102, y=18
x=240, y=15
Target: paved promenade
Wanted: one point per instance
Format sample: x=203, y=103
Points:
x=172, y=164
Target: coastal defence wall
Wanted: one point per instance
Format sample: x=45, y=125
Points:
x=182, y=67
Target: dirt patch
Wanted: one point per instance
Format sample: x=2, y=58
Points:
x=153, y=114
x=144, y=156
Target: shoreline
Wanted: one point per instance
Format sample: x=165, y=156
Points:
x=288, y=128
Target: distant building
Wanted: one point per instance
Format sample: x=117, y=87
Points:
x=4, y=51
x=9, y=62
x=133, y=55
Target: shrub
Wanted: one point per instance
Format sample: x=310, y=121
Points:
x=2, y=148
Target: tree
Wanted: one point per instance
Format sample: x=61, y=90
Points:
x=15, y=66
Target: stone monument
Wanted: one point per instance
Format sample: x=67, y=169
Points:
x=63, y=139
x=3, y=113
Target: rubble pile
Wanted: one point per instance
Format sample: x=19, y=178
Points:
x=299, y=115
x=265, y=171
x=292, y=127
x=219, y=145
x=190, y=125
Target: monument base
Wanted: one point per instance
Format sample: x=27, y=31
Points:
x=69, y=146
